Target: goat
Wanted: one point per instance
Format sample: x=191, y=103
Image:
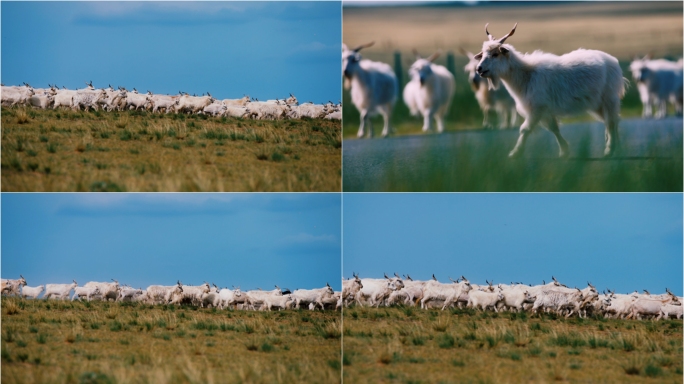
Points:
x=374, y=87
x=658, y=81
x=498, y=100
x=430, y=91
x=546, y=86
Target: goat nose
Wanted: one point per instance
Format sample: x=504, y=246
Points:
x=479, y=69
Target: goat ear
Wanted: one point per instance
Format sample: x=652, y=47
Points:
x=503, y=50
x=478, y=56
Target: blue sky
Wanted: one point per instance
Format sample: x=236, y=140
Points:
x=617, y=241
x=248, y=240
x=264, y=49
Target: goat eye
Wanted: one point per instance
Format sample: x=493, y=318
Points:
x=495, y=55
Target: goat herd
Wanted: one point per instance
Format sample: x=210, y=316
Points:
x=110, y=99
x=540, y=86
x=203, y=295
x=552, y=297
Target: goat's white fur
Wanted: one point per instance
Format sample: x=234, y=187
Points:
x=499, y=100
x=374, y=88
x=430, y=91
x=546, y=86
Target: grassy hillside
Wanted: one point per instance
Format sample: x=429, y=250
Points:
x=408, y=345
x=64, y=342
x=622, y=29
x=59, y=150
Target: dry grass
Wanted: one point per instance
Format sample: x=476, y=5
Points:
x=408, y=345
x=64, y=342
x=132, y=151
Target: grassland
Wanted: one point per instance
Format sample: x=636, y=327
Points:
x=97, y=342
x=407, y=345
x=622, y=29
x=58, y=150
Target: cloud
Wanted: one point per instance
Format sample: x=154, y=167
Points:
x=158, y=204
x=181, y=13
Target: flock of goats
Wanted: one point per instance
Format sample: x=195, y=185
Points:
x=552, y=297
x=202, y=295
x=539, y=86
x=110, y=99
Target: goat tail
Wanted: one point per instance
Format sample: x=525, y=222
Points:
x=623, y=87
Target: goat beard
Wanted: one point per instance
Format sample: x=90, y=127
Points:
x=494, y=82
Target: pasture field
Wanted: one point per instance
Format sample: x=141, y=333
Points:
x=623, y=29
x=410, y=345
x=99, y=342
x=63, y=150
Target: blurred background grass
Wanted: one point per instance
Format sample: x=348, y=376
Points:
x=622, y=29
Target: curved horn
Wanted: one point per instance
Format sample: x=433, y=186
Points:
x=489, y=35
x=395, y=274
x=360, y=47
x=452, y=280
x=501, y=40
x=386, y=276
x=433, y=277
x=463, y=278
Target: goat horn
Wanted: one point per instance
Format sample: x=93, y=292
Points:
x=360, y=47
x=501, y=40
x=434, y=56
x=489, y=35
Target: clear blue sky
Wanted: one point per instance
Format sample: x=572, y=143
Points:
x=264, y=49
x=251, y=240
x=621, y=241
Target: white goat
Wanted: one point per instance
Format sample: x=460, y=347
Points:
x=658, y=81
x=498, y=100
x=59, y=290
x=32, y=292
x=87, y=292
x=374, y=87
x=430, y=91
x=546, y=86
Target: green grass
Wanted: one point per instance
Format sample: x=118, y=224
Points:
x=57, y=150
x=64, y=342
x=513, y=349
